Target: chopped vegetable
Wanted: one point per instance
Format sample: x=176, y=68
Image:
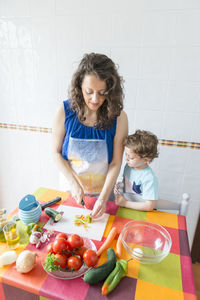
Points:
x=7, y=258
x=108, y=241
x=83, y=220
x=119, y=246
x=52, y=213
x=26, y=261
x=115, y=276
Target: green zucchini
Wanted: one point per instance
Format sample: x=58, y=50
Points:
x=52, y=213
x=98, y=274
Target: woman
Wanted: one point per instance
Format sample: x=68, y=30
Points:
x=89, y=130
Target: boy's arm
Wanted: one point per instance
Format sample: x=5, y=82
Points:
x=147, y=205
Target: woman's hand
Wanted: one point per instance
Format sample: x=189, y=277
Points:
x=77, y=192
x=99, y=208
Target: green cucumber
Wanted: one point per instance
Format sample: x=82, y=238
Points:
x=98, y=274
x=52, y=213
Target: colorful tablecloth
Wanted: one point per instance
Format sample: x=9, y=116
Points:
x=171, y=279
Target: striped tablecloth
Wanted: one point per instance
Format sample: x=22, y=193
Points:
x=171, y=279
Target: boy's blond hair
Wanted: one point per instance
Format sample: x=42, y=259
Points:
x=143, y=143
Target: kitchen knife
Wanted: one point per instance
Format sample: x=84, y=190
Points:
x=49, y=203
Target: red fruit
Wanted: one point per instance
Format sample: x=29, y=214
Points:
x=60, y=245
x=80, y=251
x=50, y=248
x=75, y=241
x=90, y=257
x=61, y=235
x=74, y=263
x=61, y=260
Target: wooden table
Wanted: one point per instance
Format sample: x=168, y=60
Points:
x=171, y=279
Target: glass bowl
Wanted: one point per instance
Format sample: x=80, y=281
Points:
x=65, y=274
x=146, y=242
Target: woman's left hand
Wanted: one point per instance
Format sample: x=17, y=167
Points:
x=98, y=209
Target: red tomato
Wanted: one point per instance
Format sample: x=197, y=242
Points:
x=60, y=245
x=75, y=241
x=61, y=260
x=74, y=263
x=90, y=257
x=50, y=248
x=79, y=251
x=61, y=235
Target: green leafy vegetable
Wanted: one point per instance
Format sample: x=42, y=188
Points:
x=49, y=263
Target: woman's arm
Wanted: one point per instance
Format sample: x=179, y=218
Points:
x=58, y=134
x=114, y=167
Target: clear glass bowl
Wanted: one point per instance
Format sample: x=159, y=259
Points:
x=146, y=242
x=66, y=274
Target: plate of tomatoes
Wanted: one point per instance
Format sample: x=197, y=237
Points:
x=69, y=256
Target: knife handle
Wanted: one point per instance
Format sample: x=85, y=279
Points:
x=49, y=203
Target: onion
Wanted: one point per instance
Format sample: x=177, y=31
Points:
x=7, y=258
x=26, y=261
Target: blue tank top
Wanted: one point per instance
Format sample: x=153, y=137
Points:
x=75, y=129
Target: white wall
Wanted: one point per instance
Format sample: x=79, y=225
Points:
x=157, y=46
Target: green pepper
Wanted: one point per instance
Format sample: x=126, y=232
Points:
x=29, y=228
x=115, y=276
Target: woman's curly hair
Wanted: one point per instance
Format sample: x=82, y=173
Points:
x=143, y=143
x=103, y=68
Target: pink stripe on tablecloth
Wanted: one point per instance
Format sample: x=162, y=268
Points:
x=187, y=275
x=182, y=222
x=60, y=289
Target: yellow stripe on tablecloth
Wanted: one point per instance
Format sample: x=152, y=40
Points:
x=151, y=291
x=163, y=218
x=50, y=194
x=108, y=226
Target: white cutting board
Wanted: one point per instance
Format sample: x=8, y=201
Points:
x=66, y=224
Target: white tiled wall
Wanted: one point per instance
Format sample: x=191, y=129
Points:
x=156, y=44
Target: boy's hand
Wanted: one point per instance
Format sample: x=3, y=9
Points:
x=119, y=200
x=116, y=189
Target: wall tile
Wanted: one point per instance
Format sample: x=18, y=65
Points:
x=63, y=7
x=14, y=8
x=169, y=182
x=185, y=64
x=127, y=32
x=148, y=120
x=130, y=91
x=127, y=60
x=178, y=126
x=162, y=35
x=187, y=28
x=128, y=7
x=19, y=31
x=196, y=132
x=4, y=37
x=93, y=26
x=151, y=94
x=42, y=8
x=183, y=96
x=162, y=5
x=172, y=158
x=155, y=63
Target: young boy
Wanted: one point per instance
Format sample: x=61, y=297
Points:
x=139, y=188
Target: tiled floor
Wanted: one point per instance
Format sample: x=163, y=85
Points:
x=196, y=271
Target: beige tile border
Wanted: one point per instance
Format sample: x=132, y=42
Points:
x=171, y=143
